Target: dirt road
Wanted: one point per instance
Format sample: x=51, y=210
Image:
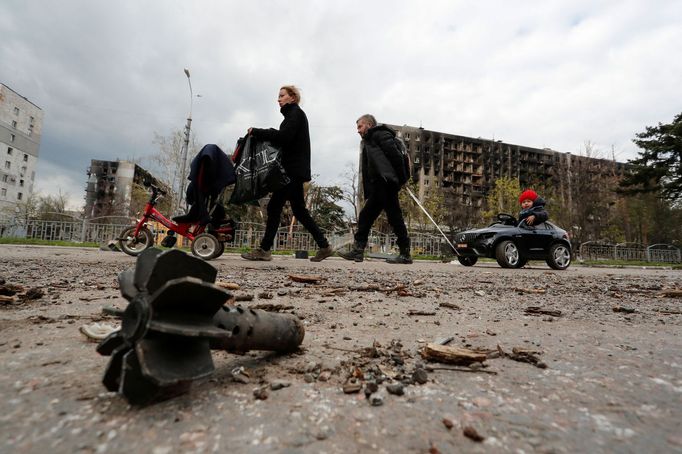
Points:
x=610, y=340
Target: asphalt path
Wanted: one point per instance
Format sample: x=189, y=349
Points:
x=605, y=342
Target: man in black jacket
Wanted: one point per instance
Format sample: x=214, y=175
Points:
x=383, y=173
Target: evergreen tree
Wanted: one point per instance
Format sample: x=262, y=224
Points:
x=658, y=168
x=324, y=208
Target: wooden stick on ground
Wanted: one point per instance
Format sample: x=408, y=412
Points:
x=452, y=355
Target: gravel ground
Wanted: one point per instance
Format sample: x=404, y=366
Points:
x=605, y=342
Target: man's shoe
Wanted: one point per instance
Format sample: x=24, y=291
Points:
x=357, y=255
x=258, y=254
x=322, y=254
x=404, y=258
x=400, y=259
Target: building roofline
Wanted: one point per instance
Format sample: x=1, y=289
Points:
x=547, y=151
x=20, y=95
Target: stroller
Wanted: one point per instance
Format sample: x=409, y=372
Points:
x=205, y=224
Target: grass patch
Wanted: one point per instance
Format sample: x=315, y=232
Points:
x=38, y=242
x=248, y=249
x=616, y=263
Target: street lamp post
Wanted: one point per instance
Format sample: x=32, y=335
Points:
x=185, y=145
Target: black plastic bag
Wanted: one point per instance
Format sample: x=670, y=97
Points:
x=259, y=171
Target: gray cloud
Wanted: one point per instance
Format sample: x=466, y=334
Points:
x=108, y=75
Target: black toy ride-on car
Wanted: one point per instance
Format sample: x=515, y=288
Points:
x=514, y=243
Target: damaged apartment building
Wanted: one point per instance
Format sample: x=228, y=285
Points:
x=21, y=124
x=109, y=190
x=466, y=168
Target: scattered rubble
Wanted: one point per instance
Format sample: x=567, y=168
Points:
x=243, y=297
x=536, y=291
x=626, y=310
x=351, y=316
x=306, y=279
x=524, y=356
x=228, y=285
x=452, y=355
x=671, y=293
x=472, y=434
x=537, y=310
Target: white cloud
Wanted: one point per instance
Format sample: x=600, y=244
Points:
x=543, y=74
x=51, y=181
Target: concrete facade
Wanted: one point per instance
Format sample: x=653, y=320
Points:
x=21, y=124
x=465, y=168
x=110, y=187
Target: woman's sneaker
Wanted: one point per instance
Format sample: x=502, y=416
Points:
x=258, y=254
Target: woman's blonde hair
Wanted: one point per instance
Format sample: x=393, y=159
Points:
x=293, y=91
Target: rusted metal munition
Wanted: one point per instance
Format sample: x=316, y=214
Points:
x=175, y=316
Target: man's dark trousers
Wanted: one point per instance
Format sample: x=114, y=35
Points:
x=293, y=192
x=383, y=196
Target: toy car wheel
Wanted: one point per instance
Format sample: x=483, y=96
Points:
x=467, y=261
x=559, y=257
x=522, y=263
x=206, y=246
x=134, y=245
x=507, y=254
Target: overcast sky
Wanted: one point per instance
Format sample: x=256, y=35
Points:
x=109, y=74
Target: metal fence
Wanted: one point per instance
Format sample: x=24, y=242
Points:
x=297, y=240
x=246, y=236
x=74, y=231
x=665, y=253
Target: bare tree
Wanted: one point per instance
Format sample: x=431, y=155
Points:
x=52, y=207
x=168, y=161
x=350, y=189
x=26, y=209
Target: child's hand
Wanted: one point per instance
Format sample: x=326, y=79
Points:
x=530, y=219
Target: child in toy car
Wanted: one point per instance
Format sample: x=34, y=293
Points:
x=532, y=208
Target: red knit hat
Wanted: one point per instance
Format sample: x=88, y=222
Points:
x=528, y=194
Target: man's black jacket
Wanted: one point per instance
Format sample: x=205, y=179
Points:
x=381, y=159
x=293, y=137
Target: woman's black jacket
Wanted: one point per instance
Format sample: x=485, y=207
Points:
x=293, y=137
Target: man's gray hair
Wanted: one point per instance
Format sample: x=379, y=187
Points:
x=369, y=119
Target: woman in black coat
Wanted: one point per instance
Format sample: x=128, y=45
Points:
x=293, y=137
